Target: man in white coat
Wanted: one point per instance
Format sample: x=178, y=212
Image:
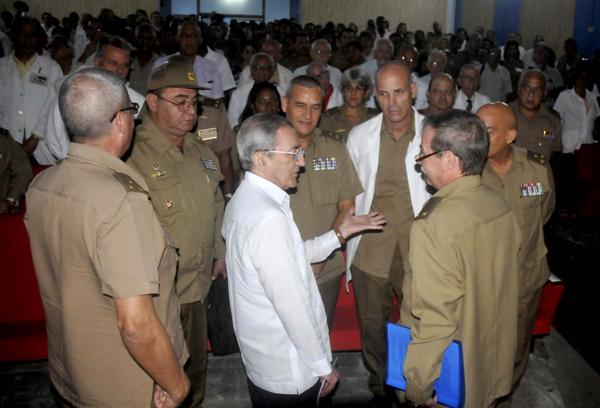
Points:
x=114, y=56
x=26, y=88
x=394, y=188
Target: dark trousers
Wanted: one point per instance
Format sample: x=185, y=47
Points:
x=264, y=399
x=193, y=321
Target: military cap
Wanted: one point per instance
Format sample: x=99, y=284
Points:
x=176, y=72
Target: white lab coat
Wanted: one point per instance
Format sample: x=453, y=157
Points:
x=24, y=102
x=363, y=147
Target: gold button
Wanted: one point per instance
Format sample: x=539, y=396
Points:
x=169, y=204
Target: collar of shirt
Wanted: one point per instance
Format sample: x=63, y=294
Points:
x=23, y=67
x=276, y=193
x=462, y=184
x=101, y=157
x=159, y=140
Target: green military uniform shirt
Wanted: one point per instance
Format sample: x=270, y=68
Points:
x=335, y=121
x=185, y=193
x=328, y=178
x=15, y=170
x=463, y=257
x=392, y=199
x=542, y=134
x=528, y=189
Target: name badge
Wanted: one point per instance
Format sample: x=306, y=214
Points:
x=324, y=164
x=209, y=165
x=532, y=189
x=207, y=134
x=38, y=79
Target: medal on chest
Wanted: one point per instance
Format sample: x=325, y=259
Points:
x=209, y=165
x=531, y=189
x=324, y=164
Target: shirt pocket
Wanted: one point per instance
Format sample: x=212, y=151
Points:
x=326, y=188
x=167, y=198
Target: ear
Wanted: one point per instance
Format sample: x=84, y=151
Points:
x=152, y=102
x=284, y=104
x=511, y=135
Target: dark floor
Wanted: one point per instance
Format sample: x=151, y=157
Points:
x=561, y=372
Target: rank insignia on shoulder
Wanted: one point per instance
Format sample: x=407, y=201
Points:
x=158, y=173
x=213, y=103
x=209, y=165
x=537, y=157
x=129, y=184
x=324, y=163
x=207, y=134
x=428, y=208
x=532, y=189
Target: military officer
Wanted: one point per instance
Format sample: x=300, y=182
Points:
x=105, y=266
x=328, y=185
x=213, y=129
x=538, y=129
x=183, y=177
x=15, y=172
x=524, y=180
x=463, y=257
x=357, y=88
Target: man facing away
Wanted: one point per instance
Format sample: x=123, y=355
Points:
x=278, y=315
x=463, y=257
x=105, y=267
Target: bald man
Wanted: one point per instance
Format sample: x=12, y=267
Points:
x=383, y=150
x=440, y=95
x=525, y=181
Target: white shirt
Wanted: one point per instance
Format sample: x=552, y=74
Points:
x=284, y=75
x=24, y=102
x=277, y=312
x=422, y=86
x=477, y=99
x=335, y=75
x=577, y=123
x=238, y=101
x=57, y=139
x=495, y=84
x=207, y=75
x=223, y=67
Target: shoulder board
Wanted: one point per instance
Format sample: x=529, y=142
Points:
x=536, y=157
x=329, y=134
x=211, y=103
x=129, y=184
x=332, y=111
x=428, y=208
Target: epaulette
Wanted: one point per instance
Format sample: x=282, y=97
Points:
x=329, y=134
x=428, y=208
x=130, y=184
x=212, y=103
x=332, y=111
x=537, y=157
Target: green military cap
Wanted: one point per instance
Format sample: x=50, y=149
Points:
x=176, y=72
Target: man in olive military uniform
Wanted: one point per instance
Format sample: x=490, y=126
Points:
x=183, y=177
x=327, y=186
x=383, y=150
x=463, y=257
x=105, y=266
x=538, y=129
x=525, y=181
x=214, y=130
x=15, y=173
x=336, y=122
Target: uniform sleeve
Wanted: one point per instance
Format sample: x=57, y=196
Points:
x=549, y=200
x=274, y=259
x=125, y=243
x=19, y=171
x=225, y=135
x=435, y=290
x=219, y=243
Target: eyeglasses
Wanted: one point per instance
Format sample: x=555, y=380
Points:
x=419, y=159
x=183, y=105
x=134, y=107
x=298, y=153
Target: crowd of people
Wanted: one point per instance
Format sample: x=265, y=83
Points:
x=184, y=151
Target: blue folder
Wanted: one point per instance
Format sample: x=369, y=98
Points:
x=450, y=387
